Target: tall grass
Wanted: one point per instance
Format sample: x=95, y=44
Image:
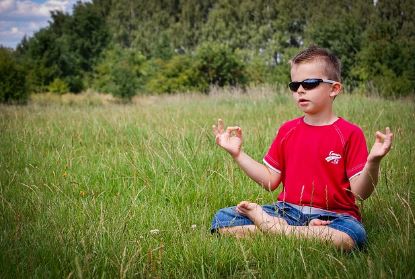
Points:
x=115, y=190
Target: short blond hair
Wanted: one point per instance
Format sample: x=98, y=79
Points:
x=314, y=53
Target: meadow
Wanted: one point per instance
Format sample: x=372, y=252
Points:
x=96, y=189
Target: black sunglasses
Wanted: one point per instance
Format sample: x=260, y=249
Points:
x=308, y=84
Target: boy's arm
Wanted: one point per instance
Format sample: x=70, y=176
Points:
x=363, y=185
x=231, y=140
x=268, y=179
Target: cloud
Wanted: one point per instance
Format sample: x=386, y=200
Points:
x=24, y=17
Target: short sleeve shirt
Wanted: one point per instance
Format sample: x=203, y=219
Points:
x=317, y=163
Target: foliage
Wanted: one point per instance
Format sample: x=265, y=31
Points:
x=119, y=72
x=58, y=86
x=387, y=58
x=67, y=48
x=12, y=78
x=212, y=64
x=216, y=64
x=171, y=76
x=342, y=33
x=374, y=39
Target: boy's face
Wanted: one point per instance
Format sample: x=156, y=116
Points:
x=316, y=100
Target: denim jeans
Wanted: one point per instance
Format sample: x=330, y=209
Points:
x=295, y=216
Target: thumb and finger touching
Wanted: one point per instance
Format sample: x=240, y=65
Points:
x=384, y=139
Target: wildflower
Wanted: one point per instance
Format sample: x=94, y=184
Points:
x=82, y=193
x=193, y=227
x=65, y=174
x=155, y=231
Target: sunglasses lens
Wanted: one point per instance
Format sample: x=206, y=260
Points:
x=309, y=84
x=294, y=85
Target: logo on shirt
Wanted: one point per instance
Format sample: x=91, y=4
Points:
x=333, y=158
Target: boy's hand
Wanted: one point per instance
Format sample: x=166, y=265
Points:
x=229, y=139
x=381, y=146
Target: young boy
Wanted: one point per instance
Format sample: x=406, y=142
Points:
x=321, y=160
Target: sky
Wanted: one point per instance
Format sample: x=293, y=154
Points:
x=24, y=17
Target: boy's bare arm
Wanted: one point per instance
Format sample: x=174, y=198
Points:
x=261, y=174
x=231, y=140
x=363, y=185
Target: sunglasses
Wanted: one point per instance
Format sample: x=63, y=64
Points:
x=308, y=84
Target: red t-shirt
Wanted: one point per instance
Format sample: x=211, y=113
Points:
x=317, y=162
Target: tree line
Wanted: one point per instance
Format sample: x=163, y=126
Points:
x=129, y=47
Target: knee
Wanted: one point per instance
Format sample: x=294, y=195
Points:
x=344, y=242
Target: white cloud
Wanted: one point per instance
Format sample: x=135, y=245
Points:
x=24, y=17
x=14, y=30
x=7, y=5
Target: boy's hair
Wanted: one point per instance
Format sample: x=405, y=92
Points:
x=314, y=53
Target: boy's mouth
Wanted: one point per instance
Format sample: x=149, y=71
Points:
x=302, y=100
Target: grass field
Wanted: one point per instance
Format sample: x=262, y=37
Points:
x=92, y=190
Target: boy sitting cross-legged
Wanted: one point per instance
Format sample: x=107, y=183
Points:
x=320, y=158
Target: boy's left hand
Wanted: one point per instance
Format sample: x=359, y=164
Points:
x=381, y=146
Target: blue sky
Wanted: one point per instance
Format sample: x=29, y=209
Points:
x=24, y=17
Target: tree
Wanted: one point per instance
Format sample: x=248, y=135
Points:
x=12, y=79
x=216, y=64
x=66, y=49
x=342, y=32
x=119, y=72
x=387, y=57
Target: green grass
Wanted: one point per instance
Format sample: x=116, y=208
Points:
x=83, y=186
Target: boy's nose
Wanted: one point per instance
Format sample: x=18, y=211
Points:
x=301, y=90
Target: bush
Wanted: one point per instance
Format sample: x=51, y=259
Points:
x=216, y=64
x=58, y=86
x=212, y=64
x=13, y=87
x=172, y=76
x=119, y=72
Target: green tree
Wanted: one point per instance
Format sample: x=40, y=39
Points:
x=119, y=72
x=216, y=64
x=171, y=76
x=66, y=49
x=12, y=79
x=341, y=32
x=387, y=57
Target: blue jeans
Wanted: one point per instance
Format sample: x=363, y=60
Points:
x=295, y=216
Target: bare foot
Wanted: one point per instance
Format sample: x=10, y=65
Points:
x=261, y=219
x=318, y=222
x=251, y=210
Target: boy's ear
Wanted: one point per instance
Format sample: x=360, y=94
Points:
x=335, y=89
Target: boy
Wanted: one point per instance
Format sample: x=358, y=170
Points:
x=321, y=160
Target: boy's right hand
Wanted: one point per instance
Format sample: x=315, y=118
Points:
x=229, y=139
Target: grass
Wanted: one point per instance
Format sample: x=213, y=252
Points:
x=128, y=190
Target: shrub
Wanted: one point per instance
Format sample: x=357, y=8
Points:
x=58, y=86
x=171, y=76
x=119, y=72
x=216, y=64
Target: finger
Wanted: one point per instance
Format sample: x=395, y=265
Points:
x=389, y=134
x=217, y=139
x=231, y=130
x=388, y=139
x=239, y=132
x=380, y=137
x=220, y=126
